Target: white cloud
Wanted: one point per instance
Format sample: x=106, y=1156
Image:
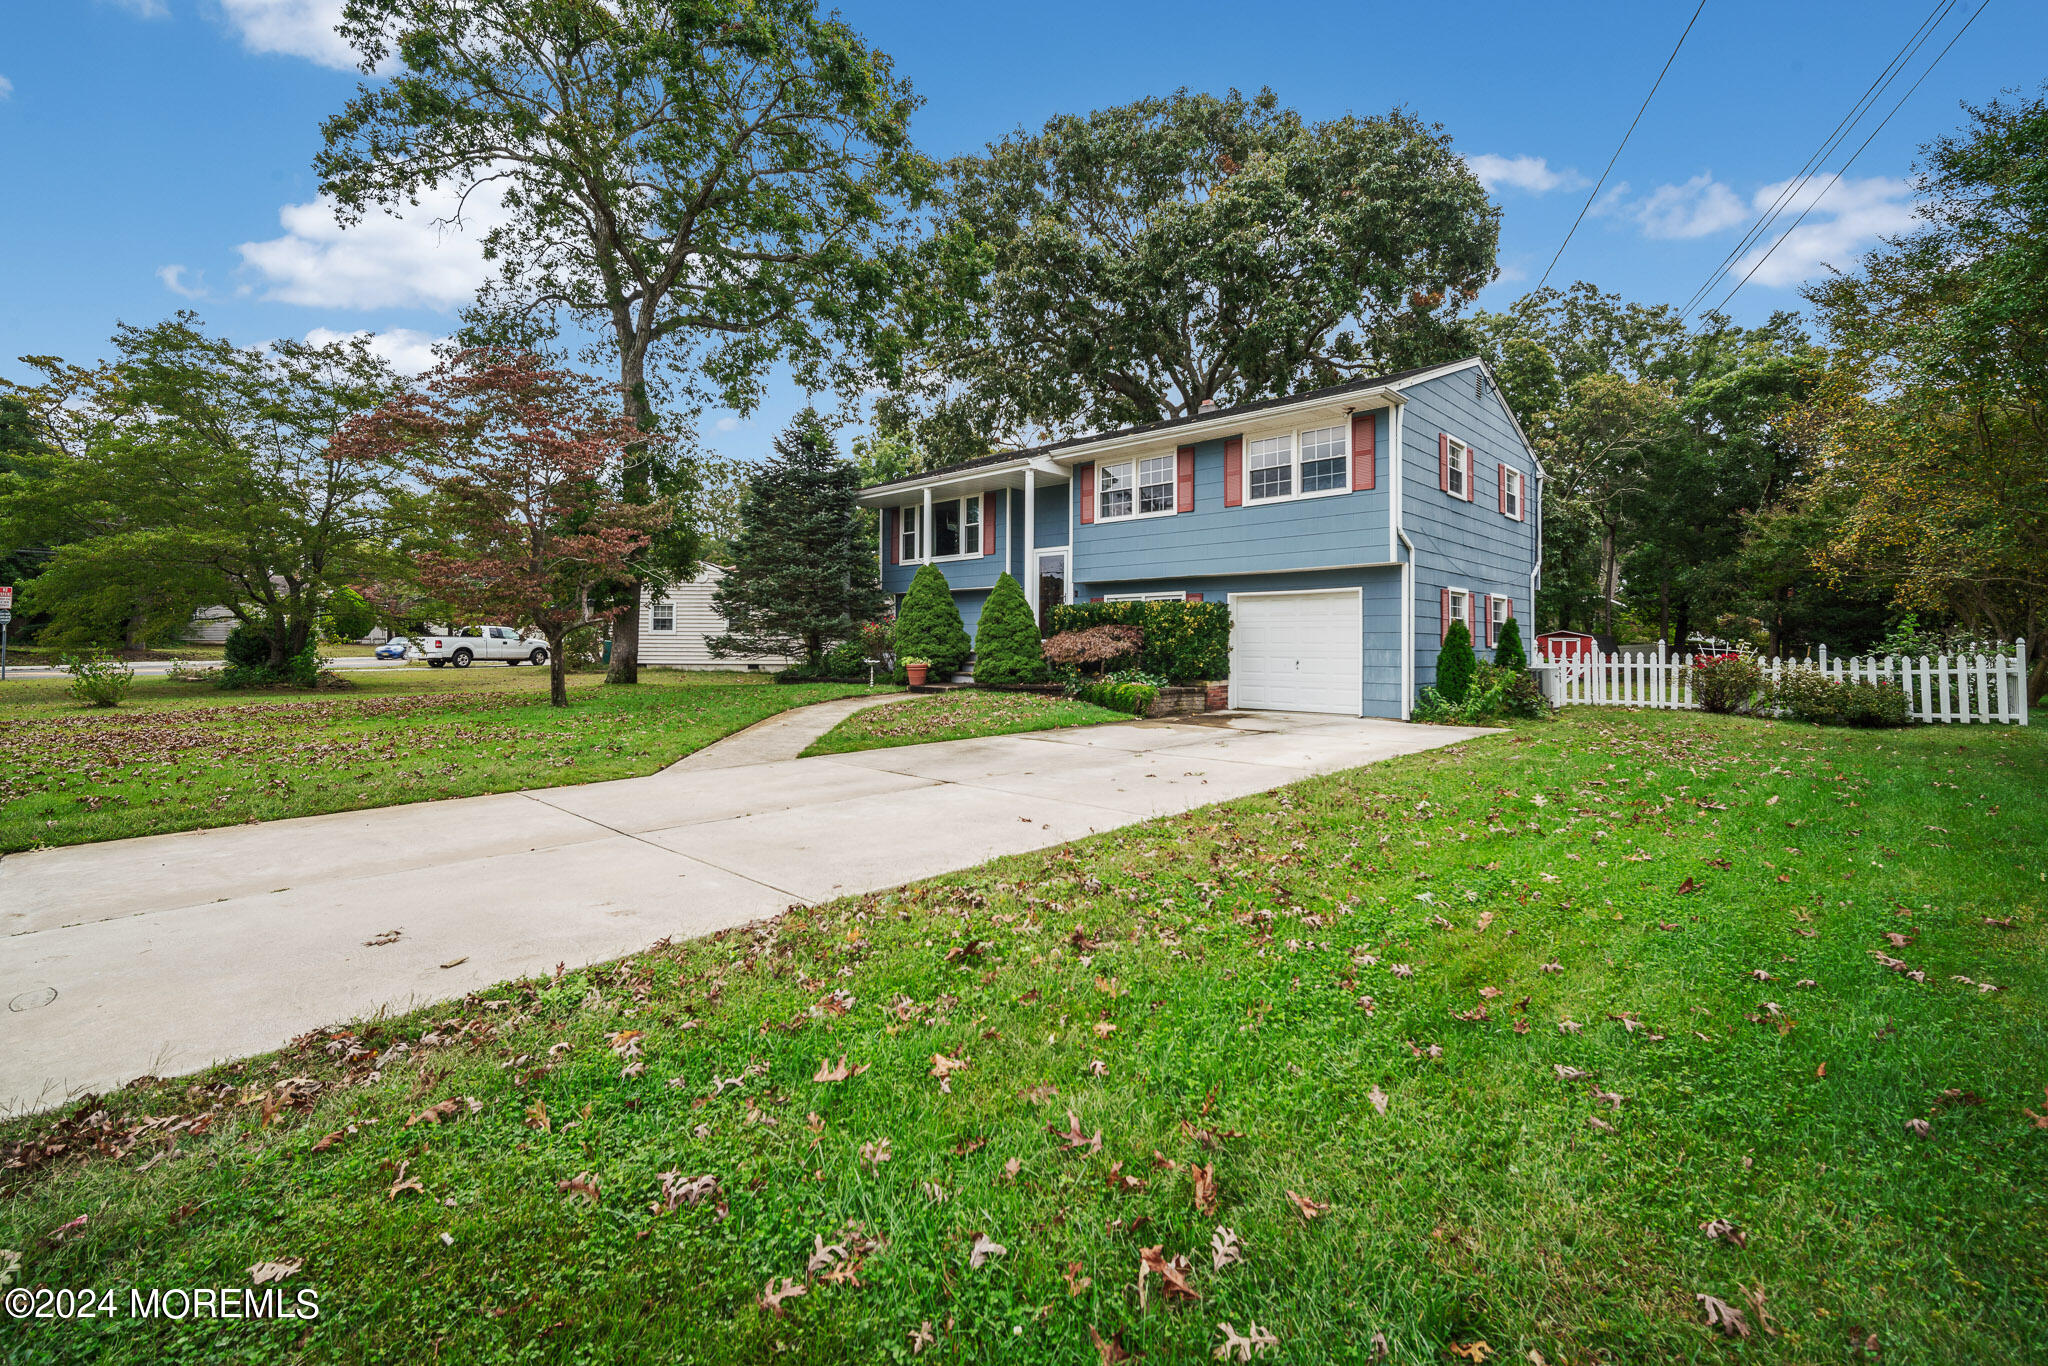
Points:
x=175, y=281
x=142, y=9
x=382, y=262
x=727, y=424
x=1700, y=206
x=1533, y=174
x=1613, y=200
x=1845, y=219
x=6, y=87
x=294, y=28
x=410, y=352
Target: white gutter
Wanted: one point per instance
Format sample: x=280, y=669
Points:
x=1228, y=422
x=1397, y=467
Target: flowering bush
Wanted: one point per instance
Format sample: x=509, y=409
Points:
x=1726, y=684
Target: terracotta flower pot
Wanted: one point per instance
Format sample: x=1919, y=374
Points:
x=917, y=673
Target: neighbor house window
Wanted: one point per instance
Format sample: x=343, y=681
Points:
x=1461, y=469
x=1271, y=468
x=1323, y=453
x=956, y=527
x=664, y=615
x=1511, y=493
x=906, y=532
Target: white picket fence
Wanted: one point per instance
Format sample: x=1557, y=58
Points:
x=1944, y=689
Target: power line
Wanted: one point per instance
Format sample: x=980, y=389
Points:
x=1852, y=157
x=1799, y=179
x=1623, y=143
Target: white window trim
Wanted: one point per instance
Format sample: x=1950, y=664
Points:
x=654, y=615
x=1145, y=597
x=1293, y=436
x=1466, y=595
x=930, y=533
x=1461, y=459
x=1519, y=512
x=1172, y=484
x=910, y=523
x=1497, y=608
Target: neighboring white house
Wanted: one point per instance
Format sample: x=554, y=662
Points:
x=675, y=625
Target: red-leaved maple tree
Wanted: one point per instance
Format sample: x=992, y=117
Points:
x=518, y=467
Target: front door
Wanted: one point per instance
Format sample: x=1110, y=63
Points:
x=1052, y=585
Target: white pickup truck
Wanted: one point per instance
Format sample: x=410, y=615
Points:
x=471, y=644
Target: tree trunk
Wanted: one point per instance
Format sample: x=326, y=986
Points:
x=1682, y=632
x=1609, y=577
x=558, y=669
x=1664, y=611
x=625, y=663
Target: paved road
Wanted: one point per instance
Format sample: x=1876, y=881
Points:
x=164, y=666
x=170, y=952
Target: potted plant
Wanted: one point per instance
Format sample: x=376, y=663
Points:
x=917, y=669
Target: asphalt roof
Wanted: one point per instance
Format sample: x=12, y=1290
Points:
x=1333, y=391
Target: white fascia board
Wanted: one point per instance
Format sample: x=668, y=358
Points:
x=1476, y=362
x=1224, y=424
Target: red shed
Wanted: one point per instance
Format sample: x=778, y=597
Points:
x=1557, y=645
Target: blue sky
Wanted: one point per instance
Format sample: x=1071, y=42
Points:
x=157, y=153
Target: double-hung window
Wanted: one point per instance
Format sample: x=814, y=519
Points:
x=956, y=527
x=1135, y=488
x=907, y=521
x=1511, y=493
x=1500, y=615
x=1269, y=468
x=1461, y=608
x=1298, y=465
x=664, y=615
x=1323, y=453
x=1460, y=469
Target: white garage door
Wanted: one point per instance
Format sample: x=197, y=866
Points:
x=1297, y=651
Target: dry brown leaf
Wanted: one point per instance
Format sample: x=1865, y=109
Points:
x=582, y=1186
x=400, y=1184
x=1720, y=1230
x=1173, y=1274
x=1076, y=1282
x=1204, y=1179
x=1378, y=1099
x=1074, y=1138
x=1470, y=1351
x=1111, y=1348
x=1242, y=1347
x=829, y=1071
x=1309, y=1208
x=1724, y=1316
x=264, y=1272
x=772, y=1298
x=984, y=1249
x=1224, y=1248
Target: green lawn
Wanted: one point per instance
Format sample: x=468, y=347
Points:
x=1511, y=1021
x=177, y=756
x=957, y=716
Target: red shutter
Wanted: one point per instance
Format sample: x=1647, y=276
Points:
x=1509, y=614
x=1443, y=461
x=988, y=525
x=1194, y=597
x=1471, y=473
x=1443, y=626
x=1364, y=457
x=890, y=517
x=1233, y=472
x=1503, y=490
x=1184, y=480
x=1095, y=599
x=1086, y=477
x=1486, y=616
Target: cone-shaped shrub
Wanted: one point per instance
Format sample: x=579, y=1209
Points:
x=1455, y=664
x=1006, y=648
x=1507, y=649
x=929, y=627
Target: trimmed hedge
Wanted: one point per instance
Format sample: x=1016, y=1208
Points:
x=1133, y=698
x=1507, y=647
x=1006, y=646
x=1456, y=664
x=1185, y=642
x=928, y=626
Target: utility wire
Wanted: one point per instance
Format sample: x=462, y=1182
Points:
x=1852, y=157
x=1623, y=143
x=1798, y=181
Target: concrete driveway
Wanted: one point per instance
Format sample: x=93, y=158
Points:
x=168, y=953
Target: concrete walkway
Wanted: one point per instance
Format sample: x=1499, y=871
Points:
x=170, y=952
x=782, y=736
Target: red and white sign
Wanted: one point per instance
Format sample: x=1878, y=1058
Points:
x=6, y=596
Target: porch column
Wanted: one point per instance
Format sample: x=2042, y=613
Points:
x=1031, y=539
x=924, y=537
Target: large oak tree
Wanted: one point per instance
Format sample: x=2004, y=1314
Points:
x=707, y=186
x=1126, y=265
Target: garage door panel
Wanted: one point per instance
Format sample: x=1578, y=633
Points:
x=1298, y=651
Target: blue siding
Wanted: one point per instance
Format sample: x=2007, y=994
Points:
x=1051, y=531
x=975, y=572
x=1335, y=529
x=1382, y=607
x=1460, y=544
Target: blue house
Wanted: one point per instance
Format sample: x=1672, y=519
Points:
x=1347, y=528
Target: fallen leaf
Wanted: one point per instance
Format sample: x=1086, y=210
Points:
x=1241, y=1347
x=828, y=1071
x=400, y=1185
x=1471, y=1351
x=1173, y=1274
x=1724, y=1316
x=1204, y=1179
x=1111, y=1348
x=1076, y=1282
x=1720, y=1230
x=1223, y=1248
x=1378, y=1099
x=771, y=1298
x=265, y=1272
x=1074, y=1138
x=581, y=1186
x=1309, y=1208
x=984, y=1249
